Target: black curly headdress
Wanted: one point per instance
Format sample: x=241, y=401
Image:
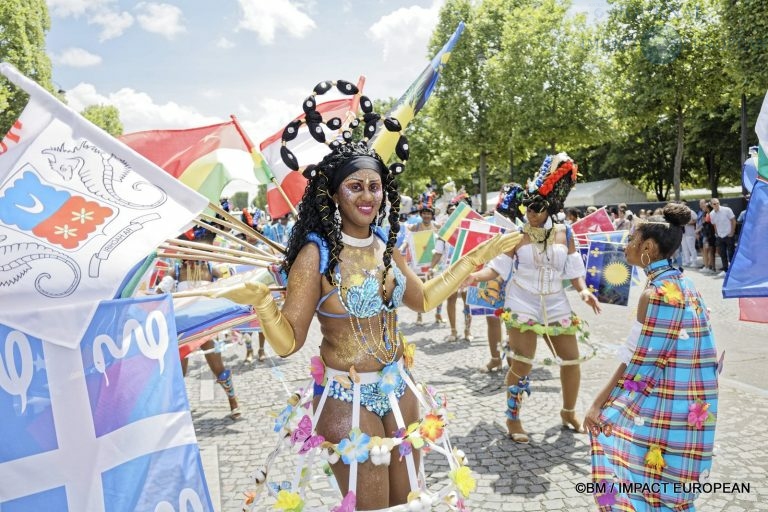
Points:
x=317, y=209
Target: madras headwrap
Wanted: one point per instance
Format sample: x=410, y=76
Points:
x=674, y=365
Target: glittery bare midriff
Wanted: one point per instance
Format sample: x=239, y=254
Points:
x=339, y=347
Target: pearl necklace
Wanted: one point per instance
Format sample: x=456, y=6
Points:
x=356, y=242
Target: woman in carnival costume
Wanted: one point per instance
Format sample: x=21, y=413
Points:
x=653, y=425
x=363, y=412
x=535, y=301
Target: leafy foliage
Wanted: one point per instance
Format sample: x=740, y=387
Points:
x=106, y=117
x=23, y=25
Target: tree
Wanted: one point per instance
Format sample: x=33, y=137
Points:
x=744, y=28
x=23, y=25
x=106, y=117
x=547, y=72
x=465, y=98
x=666, y=60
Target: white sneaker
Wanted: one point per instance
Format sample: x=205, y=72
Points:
x=707, y=270
x=720, y=275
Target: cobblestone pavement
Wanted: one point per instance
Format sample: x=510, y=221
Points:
x=542, y=475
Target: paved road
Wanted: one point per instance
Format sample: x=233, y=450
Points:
x=540, y=476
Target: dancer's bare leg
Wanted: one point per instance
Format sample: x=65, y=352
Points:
x=522, y=344
x=334, y=424
x=567, y=349
x=494, y=339
x=451, y=310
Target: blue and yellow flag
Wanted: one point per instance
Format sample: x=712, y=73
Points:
x=415, y=97
x=609, y=276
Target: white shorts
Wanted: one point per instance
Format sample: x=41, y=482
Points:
x=542, y=309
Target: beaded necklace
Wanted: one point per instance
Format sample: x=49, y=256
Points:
x=364, y=306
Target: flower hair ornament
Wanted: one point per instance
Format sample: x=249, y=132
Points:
x=317, y=129
x=510, y=201
x=550, y=187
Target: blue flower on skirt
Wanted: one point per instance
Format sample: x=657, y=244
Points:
x=355, y=447
x=389, y=379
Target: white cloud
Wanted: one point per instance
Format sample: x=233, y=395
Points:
x=138, y=111
x=112, y=23
x=76, y=58
x=265, y=18
x=406, y=31
x=163, y=19
x=224, y=43
x=65, y=8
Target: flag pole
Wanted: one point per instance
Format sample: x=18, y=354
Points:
x=257, y=160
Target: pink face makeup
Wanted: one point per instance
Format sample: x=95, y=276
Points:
x=361, y=194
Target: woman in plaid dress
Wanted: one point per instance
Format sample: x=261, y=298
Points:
x=652, y=427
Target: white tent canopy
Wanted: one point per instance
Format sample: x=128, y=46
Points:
x=604, y=192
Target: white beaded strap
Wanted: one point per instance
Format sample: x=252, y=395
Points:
x=409, y=462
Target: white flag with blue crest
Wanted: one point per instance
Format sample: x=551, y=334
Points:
x=78, y=209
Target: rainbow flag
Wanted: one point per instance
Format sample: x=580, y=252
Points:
x=449, y=231
x=204, y=158
x=415, y=97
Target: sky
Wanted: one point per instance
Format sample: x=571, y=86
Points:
x=187, y=63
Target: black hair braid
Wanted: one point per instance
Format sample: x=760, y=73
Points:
x=393, y=195
x=316, y=215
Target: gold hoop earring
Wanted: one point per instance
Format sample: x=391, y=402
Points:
x=646, y=255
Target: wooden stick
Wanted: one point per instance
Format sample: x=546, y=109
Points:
x=226, y=234
x=200, y=256
x=174, y=242
x=241, y=226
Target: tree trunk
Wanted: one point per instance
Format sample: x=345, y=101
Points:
x=678, y=152
x=744, y=148
x=482, y=171
x=511, y=162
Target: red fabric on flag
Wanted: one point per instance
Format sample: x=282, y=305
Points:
x=73, y=222
x=753, y=309
x=307, y=151
x=175, y=150
x=595, y=222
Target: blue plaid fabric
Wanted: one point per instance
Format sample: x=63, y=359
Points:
x=673, y=367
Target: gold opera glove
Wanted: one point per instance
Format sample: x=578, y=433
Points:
x=277, y=330
x=439, y=288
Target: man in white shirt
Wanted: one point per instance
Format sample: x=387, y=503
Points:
x=724, y=222
x=689, y=242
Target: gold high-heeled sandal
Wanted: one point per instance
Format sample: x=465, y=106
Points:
x=494, y=365
x=570, y=422
x=518, y=437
